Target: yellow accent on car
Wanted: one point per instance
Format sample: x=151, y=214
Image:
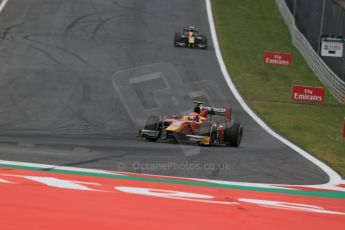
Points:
x=173, y=128
x=205, y=141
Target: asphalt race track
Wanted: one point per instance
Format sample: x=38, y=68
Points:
x=79, y=77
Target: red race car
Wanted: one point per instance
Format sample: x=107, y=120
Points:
x=195, y=127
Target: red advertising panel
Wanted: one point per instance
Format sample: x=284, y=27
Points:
x=307, y=93
x=276, y=58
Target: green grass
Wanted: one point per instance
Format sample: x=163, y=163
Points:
x=246, y=29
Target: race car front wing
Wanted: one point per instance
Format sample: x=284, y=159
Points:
x=204, y=140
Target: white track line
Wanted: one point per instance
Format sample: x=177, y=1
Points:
x=105, y=172
x=334, y=177
x=55, y=167
x=2, y=5
x=99, y=171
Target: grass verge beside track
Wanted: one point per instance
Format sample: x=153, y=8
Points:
x=245, y=30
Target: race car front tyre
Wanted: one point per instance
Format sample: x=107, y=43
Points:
x=203, y=41
x=177, y=39
x=233, y=134
x=152, y=123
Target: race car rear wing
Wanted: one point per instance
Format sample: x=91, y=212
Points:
x=220, y=111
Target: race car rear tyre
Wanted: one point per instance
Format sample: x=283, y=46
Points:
x=207, y=129
x=152, y=123
x=233, y=134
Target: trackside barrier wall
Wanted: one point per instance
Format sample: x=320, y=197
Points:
x=335, y=84
x=321, y=18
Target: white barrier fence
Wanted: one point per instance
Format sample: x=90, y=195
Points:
x=320, y=68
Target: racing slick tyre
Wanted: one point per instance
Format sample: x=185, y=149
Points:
x=233, y=134
x=177, y=39
x=203, y=41
x=207, y=129
x=152, y=123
